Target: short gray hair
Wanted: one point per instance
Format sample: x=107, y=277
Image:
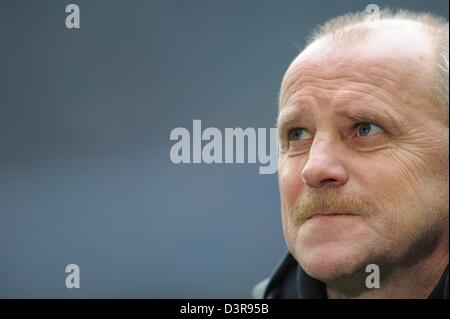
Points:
x=438, y=27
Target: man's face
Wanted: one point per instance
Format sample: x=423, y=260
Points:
x=364, y=145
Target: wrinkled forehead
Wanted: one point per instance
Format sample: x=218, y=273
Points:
x=398, y=60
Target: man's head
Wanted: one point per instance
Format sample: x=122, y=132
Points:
x=363, y=125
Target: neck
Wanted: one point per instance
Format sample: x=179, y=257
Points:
x=410, y=280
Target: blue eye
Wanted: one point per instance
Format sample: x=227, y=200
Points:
x=297, y=133
x=368, y=129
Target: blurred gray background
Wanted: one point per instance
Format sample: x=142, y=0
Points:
x=85, y=118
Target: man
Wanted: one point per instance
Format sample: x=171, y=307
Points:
x=363, y=163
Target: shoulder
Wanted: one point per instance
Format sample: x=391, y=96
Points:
x=281, y=283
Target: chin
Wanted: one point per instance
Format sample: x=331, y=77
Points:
x=329, y=264
x=330, y=255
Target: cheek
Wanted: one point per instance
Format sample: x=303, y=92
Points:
x=290, y=183
x=290, y=180
x=387, y=188
x=402, y=187
x=391, y=176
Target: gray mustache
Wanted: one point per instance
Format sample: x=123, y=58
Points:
x=329, y=200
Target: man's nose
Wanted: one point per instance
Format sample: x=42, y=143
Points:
x=323, y=167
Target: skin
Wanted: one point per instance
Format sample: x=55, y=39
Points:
x=360, y=133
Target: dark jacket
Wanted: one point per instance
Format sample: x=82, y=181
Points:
x=290, y=281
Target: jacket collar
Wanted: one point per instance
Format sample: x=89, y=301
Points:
x=290, y=281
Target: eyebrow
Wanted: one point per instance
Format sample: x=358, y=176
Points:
x=290, y=115
x=386, y=118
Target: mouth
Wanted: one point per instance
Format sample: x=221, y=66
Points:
x=329, y=214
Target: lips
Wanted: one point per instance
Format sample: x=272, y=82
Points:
x=329, y=214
